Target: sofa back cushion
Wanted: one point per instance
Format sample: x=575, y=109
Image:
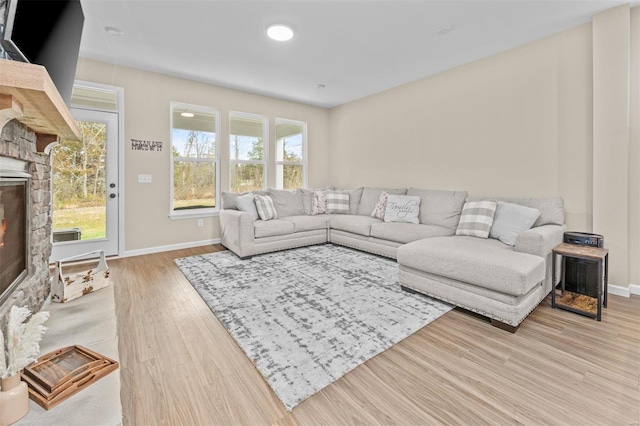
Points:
x=551, y=208
x=370, y=197
x=440, y=208
x=287, y=203
x=229, y=198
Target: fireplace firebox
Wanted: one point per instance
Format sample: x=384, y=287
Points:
x=14, y=226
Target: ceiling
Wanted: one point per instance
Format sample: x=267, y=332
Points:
x=354, y=48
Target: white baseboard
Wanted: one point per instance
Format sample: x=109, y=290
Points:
x=634, y=289
x=159, y=249
x=618, y=290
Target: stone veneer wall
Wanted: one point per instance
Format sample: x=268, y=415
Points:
x=19, y=142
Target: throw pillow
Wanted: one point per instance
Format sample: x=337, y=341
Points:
x=247, y=204
x=319, y=205
x=337, y=202
x=381, y=206
x=402, y=208
x=510, y=220
x=476, y=218
x=265, y=207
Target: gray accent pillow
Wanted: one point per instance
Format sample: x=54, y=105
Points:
x=510, y=220
x=265, y=207
x=402, y=208
x=551, y=208
x=440, y=207
x=337, y=202
x=287, y=203
x=476, y=218
x=229, y=198
x=371, y=196
x=246, y=203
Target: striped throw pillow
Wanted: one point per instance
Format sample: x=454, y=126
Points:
x=337, y=202
x=476, y=218
x=265, y=207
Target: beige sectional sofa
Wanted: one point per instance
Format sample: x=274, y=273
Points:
x=484, y=275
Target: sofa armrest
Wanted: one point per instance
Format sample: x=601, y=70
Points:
x=237, y=233
x=540, y=240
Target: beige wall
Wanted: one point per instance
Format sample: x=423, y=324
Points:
x=634, y=150
x=146, y=116
x=517, y=123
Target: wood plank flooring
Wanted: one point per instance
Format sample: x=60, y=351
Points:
x=179, y=366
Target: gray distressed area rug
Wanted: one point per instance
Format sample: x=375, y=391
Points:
x=307, y=316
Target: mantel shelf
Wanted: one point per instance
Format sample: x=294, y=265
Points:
x=28, y=95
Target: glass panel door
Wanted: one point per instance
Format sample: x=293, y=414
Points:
x=85, y=187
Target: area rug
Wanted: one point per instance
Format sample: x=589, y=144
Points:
x=307, y=316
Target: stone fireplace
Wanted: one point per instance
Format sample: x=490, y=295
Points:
x=18, y=142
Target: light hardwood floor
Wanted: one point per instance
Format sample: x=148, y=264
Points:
x=179, y=366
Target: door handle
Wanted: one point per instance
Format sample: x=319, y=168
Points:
x=112, y=195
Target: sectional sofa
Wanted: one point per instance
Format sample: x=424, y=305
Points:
x=500, y=281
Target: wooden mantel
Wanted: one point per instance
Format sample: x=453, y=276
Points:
x=28, y=95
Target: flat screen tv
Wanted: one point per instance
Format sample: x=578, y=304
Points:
x=47, y=33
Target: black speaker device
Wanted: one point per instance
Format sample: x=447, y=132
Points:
x=581, y=276
x=584, y=239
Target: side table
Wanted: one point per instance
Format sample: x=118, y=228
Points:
x=575, y=302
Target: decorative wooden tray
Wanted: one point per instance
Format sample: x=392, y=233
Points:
x=62, y=373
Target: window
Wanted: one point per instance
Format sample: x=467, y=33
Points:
x=247, y=151
x=194, y=160
x=291, y=147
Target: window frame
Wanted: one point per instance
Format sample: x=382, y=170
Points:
x=204, y=211
x=303, y=163
x=265, y=146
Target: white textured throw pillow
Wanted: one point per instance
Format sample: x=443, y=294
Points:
x=510, y=220
x=402, y=208
x=319, y=202
x=337, y=202
x=246, y=203
x=476, y=218
x=265, y=207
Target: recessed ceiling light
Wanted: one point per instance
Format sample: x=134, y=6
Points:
x=113, y=31
x=279, y=32
x=187, y=114
x=444, y=30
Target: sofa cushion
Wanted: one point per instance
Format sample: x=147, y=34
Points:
x=271, y=228
x=402, y=208
x=551, y=208
x=407, y=232
x=337, y=202
x=246, y=203
x=287, y=203
x=360, y=225
x=476, y=218
x=438, y=207
x=511, y=220
x=370, y=197
x=484, y=262
x=229, y=198
x=308, y=223
x=354, y=199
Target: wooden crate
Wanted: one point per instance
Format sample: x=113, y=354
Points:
x=68, y=286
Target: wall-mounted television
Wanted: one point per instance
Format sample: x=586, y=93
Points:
x=47, y=33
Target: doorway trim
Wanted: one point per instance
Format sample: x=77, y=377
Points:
x=119, y=91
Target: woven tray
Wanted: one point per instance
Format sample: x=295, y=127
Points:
x=64, y=372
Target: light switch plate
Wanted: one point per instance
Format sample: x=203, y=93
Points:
x=144, y=179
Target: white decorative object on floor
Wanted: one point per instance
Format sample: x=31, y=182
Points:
x=71, y=286
x=307, y=316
